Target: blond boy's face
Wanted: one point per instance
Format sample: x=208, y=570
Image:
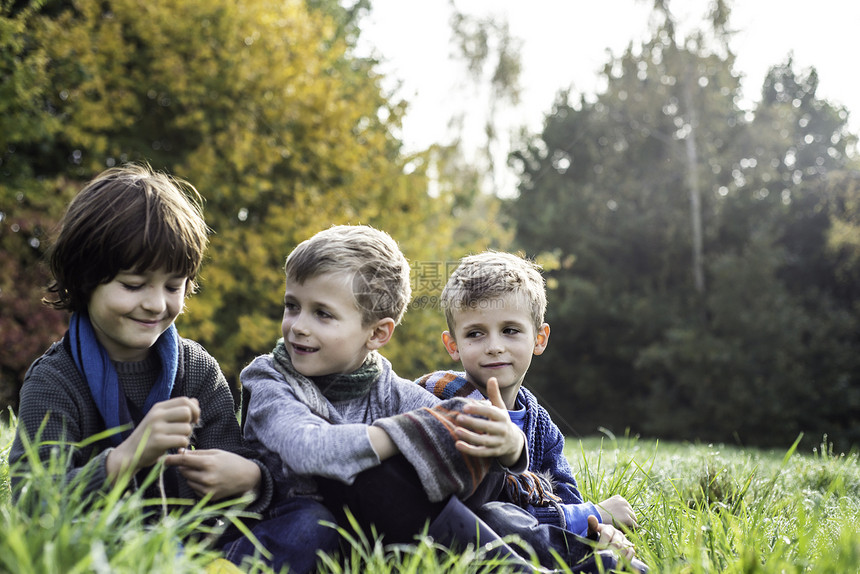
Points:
x=322, y=326
x=496, y=338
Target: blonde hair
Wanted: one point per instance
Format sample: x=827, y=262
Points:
x=127, y=218
x=494, y=274
x=380, y=270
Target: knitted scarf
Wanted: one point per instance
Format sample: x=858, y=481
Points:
x=449, y=384
x=316, y=392
x=95, y=365
x=426, y=438
x=527, y=488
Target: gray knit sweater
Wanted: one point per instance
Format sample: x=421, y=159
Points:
x=54, y=388
x=308, y=445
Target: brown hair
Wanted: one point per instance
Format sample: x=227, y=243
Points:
x=380, y=271
x=127, y=218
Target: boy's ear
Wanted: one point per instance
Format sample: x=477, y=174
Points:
x=381, y=333
x=450, y=345
x=542, y=339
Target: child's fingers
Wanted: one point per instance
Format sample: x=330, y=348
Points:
x=477, y=451
x=174, y=459
x=593, y=528
x=158, y=445
x=182, y=458
x=494, y=394
x=480, y=424
x=481, y=440
x=178, y=409
x=200, y=488
x=483, y=409
x=612, y=537
x=198, y=477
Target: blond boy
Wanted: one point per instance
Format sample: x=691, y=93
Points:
x=494, y=304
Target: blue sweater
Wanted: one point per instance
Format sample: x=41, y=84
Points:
x=545, y=446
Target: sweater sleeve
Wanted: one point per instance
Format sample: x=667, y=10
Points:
x=406, y=396
x=555, y=463
x=305, y=443
x=576, y=516
x=56, y=412
x=426, y=437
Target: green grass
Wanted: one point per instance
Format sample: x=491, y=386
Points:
x=701, y=508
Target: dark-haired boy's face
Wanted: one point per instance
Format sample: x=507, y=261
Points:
x=131, y=311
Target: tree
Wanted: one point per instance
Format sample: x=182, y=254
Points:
x=606, y=188
x=265, y=109
x=491, y=56
x=29, y=207
x=614, y=187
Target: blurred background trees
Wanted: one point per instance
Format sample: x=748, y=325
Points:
x=262, y=106
x=703, y=261
x=759, y=342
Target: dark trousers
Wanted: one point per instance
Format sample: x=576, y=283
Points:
x=388, y=498
x=293, y=532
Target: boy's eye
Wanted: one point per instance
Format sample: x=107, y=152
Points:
x=323, y=314
x=473, y=334
x=511, y=331
x=131, y=287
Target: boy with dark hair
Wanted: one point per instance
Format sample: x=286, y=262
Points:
x=127, y=254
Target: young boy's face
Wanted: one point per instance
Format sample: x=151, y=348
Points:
x=322, y=326
x=131, y=311
x=496, y=338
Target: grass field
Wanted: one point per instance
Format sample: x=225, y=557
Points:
x=702, y=509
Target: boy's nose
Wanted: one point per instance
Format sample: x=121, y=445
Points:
x=298, y=327
x=494, y=347
x=154, y=301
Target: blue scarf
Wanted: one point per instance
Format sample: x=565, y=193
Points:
x=93, y=362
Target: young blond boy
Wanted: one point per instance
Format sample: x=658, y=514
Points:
x=494, y=304
x=337, y=421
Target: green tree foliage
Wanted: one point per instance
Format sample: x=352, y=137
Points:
x=490, y=54
x=262, y=106
x=759, y=347
x=28, y=205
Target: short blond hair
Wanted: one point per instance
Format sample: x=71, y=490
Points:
x=493, y=274
x=380, y=270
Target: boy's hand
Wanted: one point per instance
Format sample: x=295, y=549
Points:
x=617, y=511
x=607, y=536
x=486, y=429
x=168, y=424
x=216, y=472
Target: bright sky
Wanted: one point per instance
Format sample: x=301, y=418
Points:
x=565, y=44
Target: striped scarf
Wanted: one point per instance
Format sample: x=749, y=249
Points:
x=527, y=488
